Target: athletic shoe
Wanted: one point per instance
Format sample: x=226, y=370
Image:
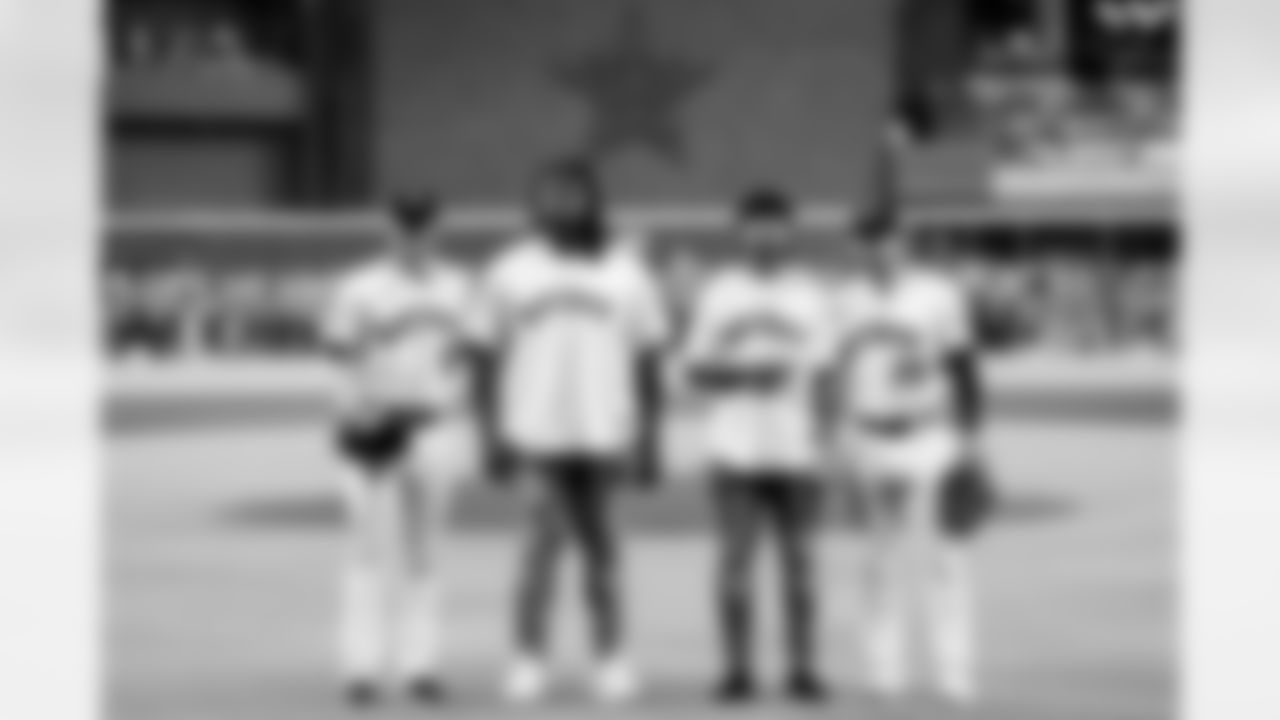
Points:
x=735, y=688
x=616, y=682
x=361, y=693
x=958, y=687
x=806, y=687
x=527, y=682
x=428, y=690
x=887, y=664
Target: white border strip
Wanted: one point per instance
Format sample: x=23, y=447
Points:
x=818, y=216
x=1231, y=472
x=51, y=540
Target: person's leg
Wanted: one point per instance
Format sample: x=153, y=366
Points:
x=961, y=504
x=536, y=583
x=435, y=470
x=952, y=619
x=590, y=484
x=795, y=509
x=589, y=511
x=369, y=487
x=366, y=585
x=886, y=583
x=738, y=529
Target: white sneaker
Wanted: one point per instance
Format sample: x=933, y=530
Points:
x=527, y=682
x=616, y=682
x=958, y=687
x=886, y=662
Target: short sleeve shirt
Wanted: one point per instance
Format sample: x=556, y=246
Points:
x=409, y=331
x=571, y=331
x=777, y=320
x=895, y=336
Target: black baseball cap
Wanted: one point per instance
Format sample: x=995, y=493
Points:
x=877, y=225
x=765, y=203
x=414, y=213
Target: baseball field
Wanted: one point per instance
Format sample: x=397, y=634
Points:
x=224, y=528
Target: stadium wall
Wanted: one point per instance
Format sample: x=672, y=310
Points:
x=197, y=283
x=701, y=97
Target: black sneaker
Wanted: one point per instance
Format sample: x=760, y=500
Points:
x=735, y=688
x=428, y=690
x=361, y=694
x=806, y=687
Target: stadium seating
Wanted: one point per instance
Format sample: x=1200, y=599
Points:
x=236, y=285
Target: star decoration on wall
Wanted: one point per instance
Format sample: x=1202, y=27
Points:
x=635, y=92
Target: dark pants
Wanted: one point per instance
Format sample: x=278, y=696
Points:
x=573, y=504
x=749, y=506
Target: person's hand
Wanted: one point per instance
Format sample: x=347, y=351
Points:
x=972, y=446
x=502, y=466
x=500, y=463
x=970, y=498
x=645, y=465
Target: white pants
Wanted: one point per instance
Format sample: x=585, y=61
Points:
x=396, y=527
x=920, y=457
x=445, y=455
x=909, y=564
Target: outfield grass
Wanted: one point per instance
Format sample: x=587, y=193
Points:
x=222, y=555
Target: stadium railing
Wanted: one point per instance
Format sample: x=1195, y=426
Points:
x=200, y=283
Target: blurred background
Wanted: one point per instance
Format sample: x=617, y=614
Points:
x=248, y=141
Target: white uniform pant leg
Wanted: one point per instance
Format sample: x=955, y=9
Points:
x=444, y=458
x=935, y=571
x=944, y=576
x=367, y=571
x=900, y=476
x=918, y=458
x=951, y=631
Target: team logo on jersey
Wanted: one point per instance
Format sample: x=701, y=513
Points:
x=435, y=323
x=757, y=329
x=420, y=321
x=559, y=305
x=753, y=349
x=904, y=362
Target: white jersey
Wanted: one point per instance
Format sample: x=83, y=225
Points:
x=749, y=319
x=571, y=330
x=410, y=331
x=895, y=334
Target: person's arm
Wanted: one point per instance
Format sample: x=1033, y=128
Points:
x=831, y=329
x=963, y=362
x=344, y=341
x=970, y=495
x=691, y=356
x=963, y=368
x=653, y=414
x=485, y=354
x=499, y=459
x=655, y=328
